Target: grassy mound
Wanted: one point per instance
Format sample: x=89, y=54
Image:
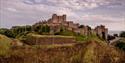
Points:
x=4, y=44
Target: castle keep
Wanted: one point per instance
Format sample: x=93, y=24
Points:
x=56, y=23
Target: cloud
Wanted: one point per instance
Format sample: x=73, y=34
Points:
x=12, y=9
x=61, y=11
x=90, y=12
x=102, y=18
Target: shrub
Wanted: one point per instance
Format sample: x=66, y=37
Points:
x=121, y=45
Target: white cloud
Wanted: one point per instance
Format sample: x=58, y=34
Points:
x=102, y=17
x=74, y=4
x=35, y=9
x=112, y=23
x=38, y=1
x=28, y=1
x=61, y=11
x=12, y=9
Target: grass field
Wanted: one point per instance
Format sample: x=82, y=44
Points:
x=92, y=50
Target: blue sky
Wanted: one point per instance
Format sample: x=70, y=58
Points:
x=110, y=13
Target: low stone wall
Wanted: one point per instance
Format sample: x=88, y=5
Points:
x=44, y=40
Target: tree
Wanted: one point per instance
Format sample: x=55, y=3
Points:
x=37, y=28
x=81, y=26
x=43, y=29
x=2, y=30
x=7, y=32
x=122, y=34
x=121, y=45
x=110, y=37
x=16, y=30
x=28, y=28
x=46, y=29
x=115, y=35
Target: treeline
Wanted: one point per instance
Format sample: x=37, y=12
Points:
x=15, y=31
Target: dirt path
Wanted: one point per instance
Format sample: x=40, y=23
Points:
x=89, y=55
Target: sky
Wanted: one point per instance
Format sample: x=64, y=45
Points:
x=110, y=13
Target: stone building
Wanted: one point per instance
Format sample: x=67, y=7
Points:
x=101, y=31
x=56, y=22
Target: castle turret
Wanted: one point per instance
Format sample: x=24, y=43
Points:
x=101, y=31
x=54, y=18
x=58, y=19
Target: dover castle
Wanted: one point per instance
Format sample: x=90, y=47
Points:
x=56, y=23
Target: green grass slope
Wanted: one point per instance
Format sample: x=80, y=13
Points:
x=87, y=52
x=4, y=44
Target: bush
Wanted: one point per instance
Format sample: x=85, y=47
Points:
x=121, y=45
x=65, y=33
x=81, y=37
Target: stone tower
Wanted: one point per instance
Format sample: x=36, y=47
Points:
x=54, y=18
x=58, y=19
x=101, y=31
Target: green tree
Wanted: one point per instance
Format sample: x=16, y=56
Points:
x=6, y=32
x=16, y=30
x=122, y=34
x=81, y=26
x=47, y=28
x=121, y=45
x=43, y=29
x=28, y=28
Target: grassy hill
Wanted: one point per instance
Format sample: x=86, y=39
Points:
x=4, y=44
x=87, y=52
